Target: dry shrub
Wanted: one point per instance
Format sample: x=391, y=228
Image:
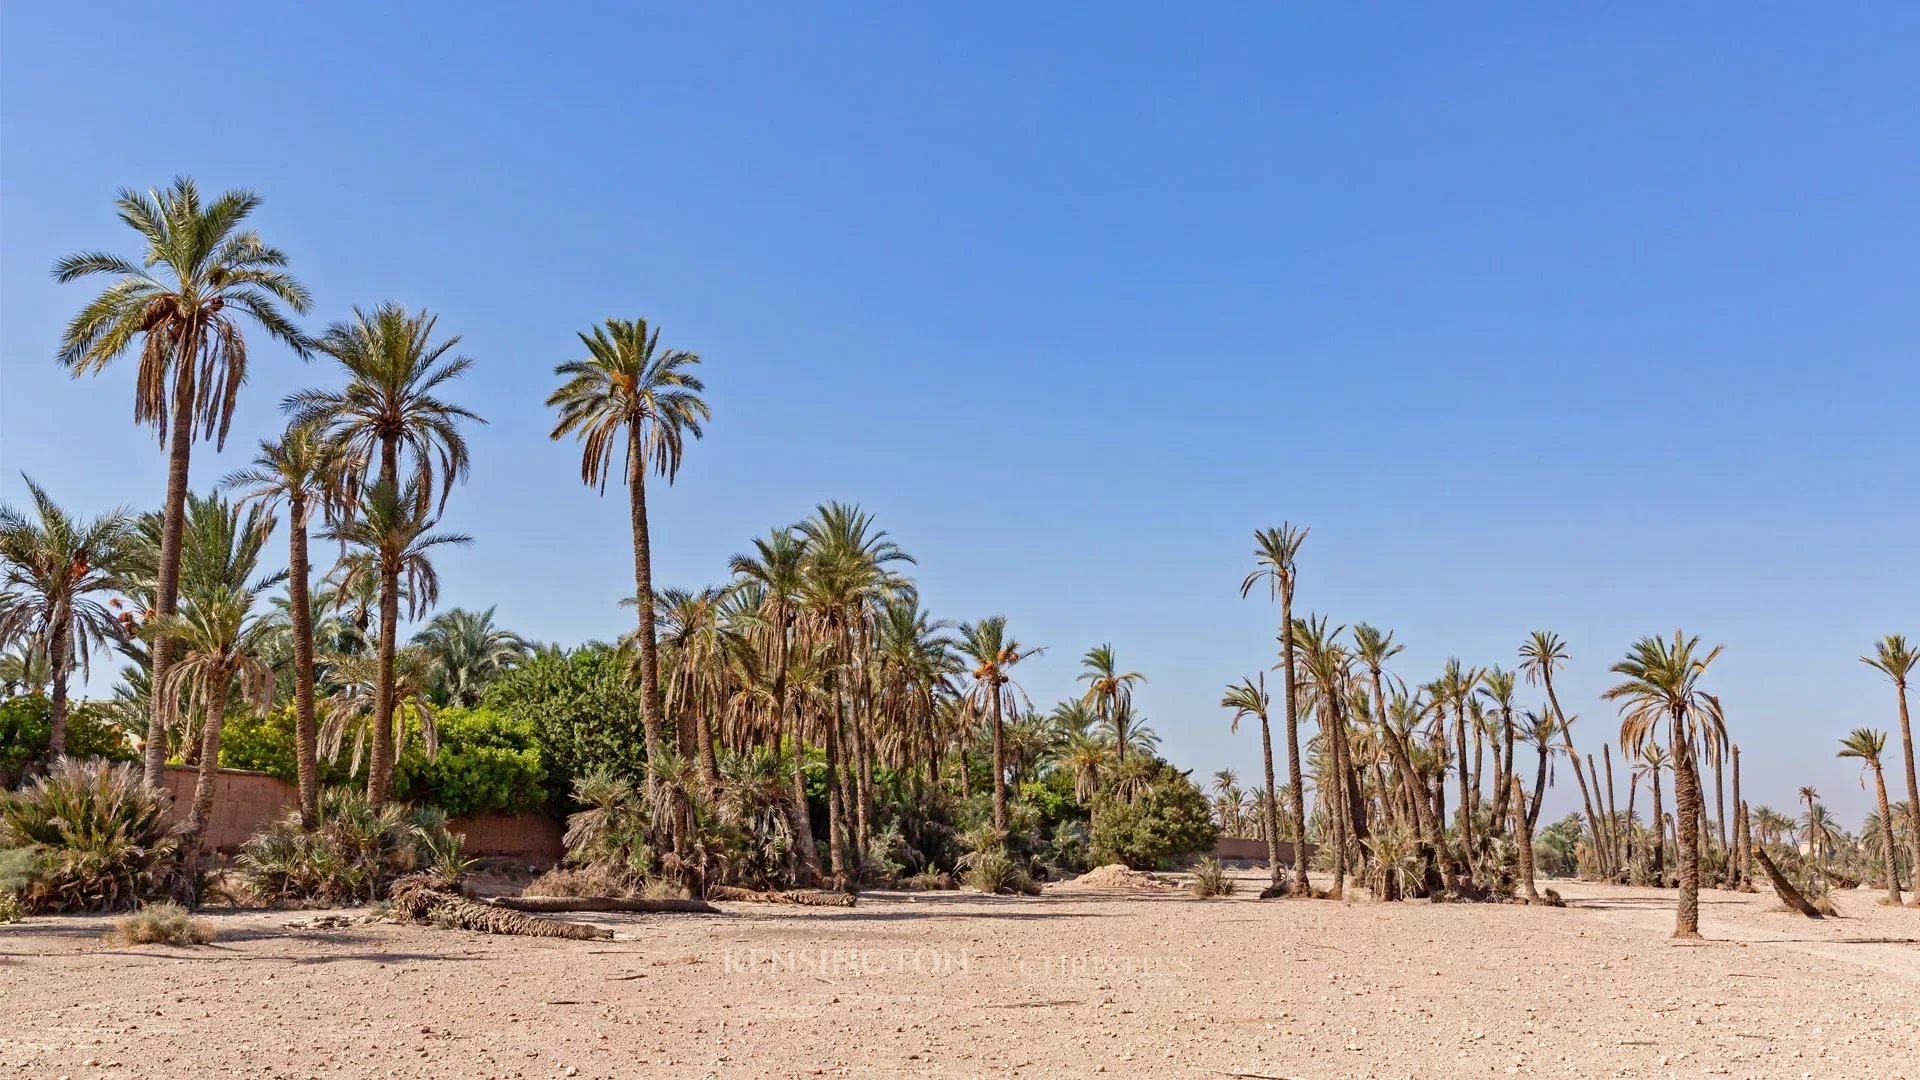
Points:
x=595, y=880
x=1210, y=879
x=11, y=909
x=1552, y=898
x=161, y=924
x=994, y=871
x=930, y=880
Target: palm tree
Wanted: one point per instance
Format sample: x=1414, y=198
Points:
x=391, y=538
x=308, y=472
x=52, y=568
x=778, y=567
x=354, y=697
x=180, y=297
x=992, y=652
x=1110, y=695
x=1276, y=561
x=1541, y=655
x=1652, y=761
x=467, y=652
x=1661, y=685
x=1454, y=689
x=1329, y=668
x=1895, y=659
x=629, y=393
x=221, y=642
x=1247, y=698
x=1867, y=745
x=1497, y=686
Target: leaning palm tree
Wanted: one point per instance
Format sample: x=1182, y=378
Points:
x=468, y=652
x=391, y=538
x=1110, y=694
x=52, y=569
x=1248, y=697
x=1661, y=686
x=199, y=270
x=992, y=652
x=309, y=473
x=1276, y=561
x=1542, y=654
x=1867, y=745
x=1895, y=659
x=631, y=395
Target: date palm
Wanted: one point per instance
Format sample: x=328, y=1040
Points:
x=993, y=652
x=1895, y=659
x=1542, y=654
x=307, y=472
x=53, y=569
x=1276, y=554
x=1110, y=695
x=1653, y=761
x=391, y=539
x=468, y=651
x=631, y=395
x=183, y=300
x=777, y=566
x=1661, y=687
x=1867, y=746
x=1248, y=697
x=1497, y=687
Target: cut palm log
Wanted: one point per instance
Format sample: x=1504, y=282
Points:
x=604, y=903
x=1783, y=888
x=416, y=900
x=805, y=897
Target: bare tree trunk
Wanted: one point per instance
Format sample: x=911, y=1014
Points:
x=1742, y=872
x=1913, y=790
x=999, y=761
x=1270, y=805
x=1720, y=808
x=1686, y=797
x=1782, y=888
x=1466, y=792
x=210, y=725
x=306, y=750
x=1524, y=834
x=60, y=659
x=173, y=521
x=1614, y=826
x=1334, y=794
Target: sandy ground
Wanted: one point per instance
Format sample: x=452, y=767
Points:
x=1075, y=982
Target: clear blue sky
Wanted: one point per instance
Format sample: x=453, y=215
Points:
x=1602, y=321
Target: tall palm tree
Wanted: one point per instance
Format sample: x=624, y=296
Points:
x=308, y=472
x=778, y=566
x=391, y=538
x=1329, y=669
x=632, y=395
x=1867, y=745
x=1454, y=689
x=1110, y=695
x=1661, y=686
x=1497, y=687
x=52, y=569
x=993, y=652
x=1653, y=761
x=1542, y=654
x=1895, y=659
x=1276, y=555
x=199, y=271
x=1248, y=697
x=467, y=652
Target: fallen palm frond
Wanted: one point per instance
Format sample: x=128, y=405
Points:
x=803, y=897
x=605, y=903
x=416, y=900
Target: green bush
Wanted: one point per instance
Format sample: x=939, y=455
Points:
x=1149, y=814
x=262, y=742
x=352, y=857
x=488, y=763
x=99, y=837
x=25, y=726
x=582, y=714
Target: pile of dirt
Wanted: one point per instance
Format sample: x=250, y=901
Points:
x=1117, y=876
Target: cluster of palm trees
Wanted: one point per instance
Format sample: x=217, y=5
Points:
x=1386, y=750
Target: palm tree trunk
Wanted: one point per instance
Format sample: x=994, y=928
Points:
x=1566, y=739
x=1613, y=808
x=1913, y=790
x=1886, y=834
x=999, y=761
x=1720, y=808
x=1333, y=792
x=60, y=659
x=1503, y=768
x=173, y=521
x=1466, y=791
x=1288, y=683
x=1524, y=834
x=1270, y=804
x=1539, y=790
x=1659, y=836
x=380, y=762
x=306, y=751
x=1741, y=873
x=836, y=801
x=643, y=596
x=800, y=817
x=202, y=811
x=1686, y=799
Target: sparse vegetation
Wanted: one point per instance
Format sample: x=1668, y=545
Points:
x=161, y=924
x=1210, y=879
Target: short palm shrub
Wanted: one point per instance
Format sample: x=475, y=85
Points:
x=353, y=856
x=98, y=838
x=1210, y=879
x=161, y=924
x=991, y=870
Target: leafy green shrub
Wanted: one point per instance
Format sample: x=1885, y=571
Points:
x=262, y=742
x=1148, y=814
x=581, y=711
x=26, y=724
x=488, y=763
x=161, y=924
x=611, y=833
x=1210, y=879
x=353, y=856
x=99, y=836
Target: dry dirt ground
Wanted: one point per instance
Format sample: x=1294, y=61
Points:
x=1076, y=982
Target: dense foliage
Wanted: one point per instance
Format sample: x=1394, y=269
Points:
x=487, y=763
x=1149, y=816
x=583, y=714
x=96, y=837
x=92, y=732
x=352, y=857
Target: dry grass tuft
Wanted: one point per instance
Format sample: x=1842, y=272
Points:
x=161, y=924
x=1210, y=879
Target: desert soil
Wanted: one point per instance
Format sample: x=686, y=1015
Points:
x=1118, y=982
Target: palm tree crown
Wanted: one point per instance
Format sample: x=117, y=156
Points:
x=628, y=382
